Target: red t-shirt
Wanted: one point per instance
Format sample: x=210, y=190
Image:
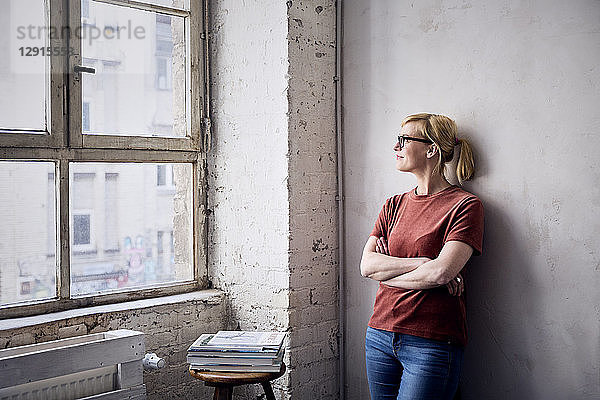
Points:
x=419, y=226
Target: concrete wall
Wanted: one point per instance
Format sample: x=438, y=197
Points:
x=521, y=79
x=272, y=182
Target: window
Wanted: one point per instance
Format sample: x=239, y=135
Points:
x=81, y=229
x=85, y=120
x=111, y=213
x=163, y=74
x=165, y=176
x=164, y=52
x=161, y=175
x=105, y=210
x=85, y=9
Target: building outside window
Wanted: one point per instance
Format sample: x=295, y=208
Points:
x=93, y=213
x=85, y=8
x=85, y=114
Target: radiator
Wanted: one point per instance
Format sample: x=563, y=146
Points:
x=101, y=366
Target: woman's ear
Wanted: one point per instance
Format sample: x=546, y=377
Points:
x=432, y=151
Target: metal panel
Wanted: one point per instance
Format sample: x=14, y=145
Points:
x=26, y=364
x=72, y=386
x=130, y=374
x=134, y=393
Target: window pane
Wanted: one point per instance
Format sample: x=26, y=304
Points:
x=28, y=231
x=23, y=34
x=139, y=85
x=119, y=216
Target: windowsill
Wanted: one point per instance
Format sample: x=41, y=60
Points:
x=210, y=295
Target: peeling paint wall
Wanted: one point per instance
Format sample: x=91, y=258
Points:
x=272, y=182
x=248, y=225
x=521, y=79
x=312, y=186
x=248, y=233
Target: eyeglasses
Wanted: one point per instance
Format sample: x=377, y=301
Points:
x=403, y=138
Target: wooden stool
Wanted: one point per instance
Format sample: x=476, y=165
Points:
x=225, y=381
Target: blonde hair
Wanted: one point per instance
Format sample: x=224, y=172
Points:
x=442, y=130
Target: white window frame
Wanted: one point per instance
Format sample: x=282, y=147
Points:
x=64, y=143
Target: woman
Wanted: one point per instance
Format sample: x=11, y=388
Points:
x=417, y=250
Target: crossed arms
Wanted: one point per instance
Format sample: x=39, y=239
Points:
x=418, y=272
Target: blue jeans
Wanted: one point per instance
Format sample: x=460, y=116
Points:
x=407, y=367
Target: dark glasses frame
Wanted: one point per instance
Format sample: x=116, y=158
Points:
x=403, y=138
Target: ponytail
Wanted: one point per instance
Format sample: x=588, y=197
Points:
x=465, y=168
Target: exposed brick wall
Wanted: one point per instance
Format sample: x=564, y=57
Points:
x=273, y=180
x=247, y=196
x=248, y=230
x=312, y=185
x=168, y=329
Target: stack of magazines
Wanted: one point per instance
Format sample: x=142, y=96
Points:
x=237, y=351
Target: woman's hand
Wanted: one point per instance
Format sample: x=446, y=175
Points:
x=382, y=247
x=456, y=286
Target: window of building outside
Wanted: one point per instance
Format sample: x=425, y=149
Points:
x=96, y=121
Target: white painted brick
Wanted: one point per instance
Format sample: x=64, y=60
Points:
x=325, y=294
x=280, y=299
x=278, y=279
x=299, y=297
x=298, y=375
x=276, y=130
x=71, y=331
x=303, y=356
x=302, y=336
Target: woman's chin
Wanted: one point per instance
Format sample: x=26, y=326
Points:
x=400, y=167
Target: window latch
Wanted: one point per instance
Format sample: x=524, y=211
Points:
x=81, y=68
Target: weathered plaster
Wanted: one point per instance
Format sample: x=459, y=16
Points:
x=521, y=80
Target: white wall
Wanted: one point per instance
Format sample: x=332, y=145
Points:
x=521, y=79
x=247, y=165
x=272, y=182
